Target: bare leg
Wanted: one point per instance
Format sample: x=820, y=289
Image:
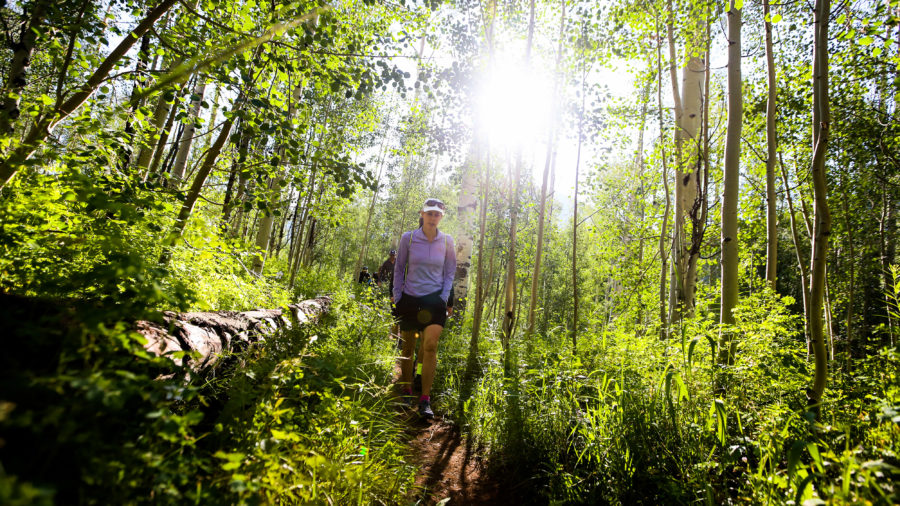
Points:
x=406, y=359
x=429, y=356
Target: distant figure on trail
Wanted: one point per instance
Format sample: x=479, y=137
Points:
x=364, y=276
x=422, y=283
x=386, y=271
x=386, y=274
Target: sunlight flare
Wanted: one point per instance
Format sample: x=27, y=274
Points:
x=514, y=105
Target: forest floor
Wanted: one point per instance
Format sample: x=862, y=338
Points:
x=451, y=470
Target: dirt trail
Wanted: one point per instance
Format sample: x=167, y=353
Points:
x=452, y=471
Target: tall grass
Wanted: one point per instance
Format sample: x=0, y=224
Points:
x=636, y=420
x=304, y=418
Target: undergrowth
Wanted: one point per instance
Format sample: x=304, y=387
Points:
x=632, y=419
x=300, y=419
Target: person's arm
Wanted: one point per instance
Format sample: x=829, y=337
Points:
x=449, y=269
x=400, y=267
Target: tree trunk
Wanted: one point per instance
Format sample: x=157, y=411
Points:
x=468, y=204
x=688, y=164
x=140, y=67
x=160, y=127
x=17, y=73
x=551, y=133
x=171, y=110
x=795, y=235
x=194, y=193
x=510, y=303
x=187, y=136
x=729, y=287
x=822, y=220
x=480, y=285
x=851, y=271
x=264, y=234
x=771, y=149
x=575, y=205
x=663, y=235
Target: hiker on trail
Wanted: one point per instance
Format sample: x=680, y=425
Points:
x=364, y=276
x=417, y=378
x=427, y=263
x=386, y=271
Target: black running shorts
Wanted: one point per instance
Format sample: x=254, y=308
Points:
x=416, y=313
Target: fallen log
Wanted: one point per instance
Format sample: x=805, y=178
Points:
x=209, y=335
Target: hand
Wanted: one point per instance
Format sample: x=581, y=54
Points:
x=392, y=299
x=450, y=311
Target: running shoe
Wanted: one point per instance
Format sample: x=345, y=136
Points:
x=425, y=409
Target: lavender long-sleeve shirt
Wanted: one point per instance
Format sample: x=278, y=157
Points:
x=432, y=265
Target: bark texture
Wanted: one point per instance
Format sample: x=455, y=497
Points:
x=209, y=335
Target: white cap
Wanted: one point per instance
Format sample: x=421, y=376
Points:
x=433, y=205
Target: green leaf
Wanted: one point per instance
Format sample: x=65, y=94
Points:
x=865, y=41
x=776, y=18
x=794, y=456
x=814, y=453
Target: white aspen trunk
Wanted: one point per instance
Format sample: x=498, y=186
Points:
x=17, y=70
x=264, y=232
x=160, y=149
x=795, y=236
x=575, y=206
x=729, y=284
x=187, y=137
x=480, y=286
x=468, y=204
x=199, y=180
x=688, y=163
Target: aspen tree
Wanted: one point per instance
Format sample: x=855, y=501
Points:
x=480, y=288
x=821, y=119
x=187, y=137
x=575, y=198
x=688, y=227
x=729, y=245
x=509, y=315
x=18, y=66
x=264, y=234
x=466, y=207
x=551, y=133
x=771, y=154
x=663, y=235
